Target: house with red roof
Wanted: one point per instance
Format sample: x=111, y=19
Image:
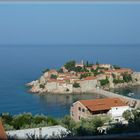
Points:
x=114, y=107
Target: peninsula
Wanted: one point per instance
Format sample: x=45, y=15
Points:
x=83, y=77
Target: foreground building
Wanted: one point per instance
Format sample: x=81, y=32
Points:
x=39, y=133
x=107, y=106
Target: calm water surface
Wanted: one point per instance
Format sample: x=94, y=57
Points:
x=23, y=63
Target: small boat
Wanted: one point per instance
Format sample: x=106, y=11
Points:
x=130, y=94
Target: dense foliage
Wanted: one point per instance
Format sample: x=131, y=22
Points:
x=26, y=120
x=76, y=85
x=46, y=70
x=116, y=67
x=70, y=66
x=104, y=82
x=82, y=128
x=53, y=76
x=116, y=81
x=42, y=86
x=127, y=77
x=133, y=125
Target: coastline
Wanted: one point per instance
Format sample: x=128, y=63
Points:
x=131, y=85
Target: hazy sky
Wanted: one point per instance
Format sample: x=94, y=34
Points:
x=70, y=23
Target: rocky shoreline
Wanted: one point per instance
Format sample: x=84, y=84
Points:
x=130, y=85
x=82, y=79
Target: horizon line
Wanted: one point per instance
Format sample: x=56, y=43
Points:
x=67, y=44
x=68, y=1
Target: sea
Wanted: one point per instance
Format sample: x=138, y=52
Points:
x=20, y=64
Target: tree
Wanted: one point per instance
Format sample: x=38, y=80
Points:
x=46, y=70
x=70, y=66
x=60, y=70
x=97, y=63
x=104, y=82
x=116, y=67
x=7, y=118
x=127, y=115
x=42, y=86
x=20, y=120
x=127, y=77
x=53, y=76
x=78, y=69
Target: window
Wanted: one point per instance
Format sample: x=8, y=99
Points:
x=79, y=117
x=72, y=113
x=83, y=110
x=79, y=108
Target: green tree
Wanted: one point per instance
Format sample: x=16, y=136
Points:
x=53, y=76
x=60, y=70
x=127, y=115
x=127, y=77
x=70, y=66
x=20, y=120
x=78, y=69
x=46, y=70
x=6, y=118
x=97, y=63
x=104, y=82
x=116, y=67
x=42, y=86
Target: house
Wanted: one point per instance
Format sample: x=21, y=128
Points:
x=80, y=64
x=107, y=106
x=88, y=84
x=2, y=132
x=39, y=133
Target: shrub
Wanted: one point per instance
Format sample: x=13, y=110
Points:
x=42, y=86
x=46, y=70
x=70, y=66
x=104, y=82
x=116, y=67
x=76, y=85
x=53, y=76
x=127, y=77
x=116, y=81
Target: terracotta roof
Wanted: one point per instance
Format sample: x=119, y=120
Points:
x=102, y=104
x=90, y=78
x=53, y=71
x=122, y=70
x=2, y=132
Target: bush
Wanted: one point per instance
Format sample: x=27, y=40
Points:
x=60, y=70
x=53, y=76
x=127, y=114
x=78, y=69
x=46, y=70
x=116, y=67
x=104, y=82
x=116, y=81
x=42, y=86
x=70, y=66
x=76, y=85
x=127, y=77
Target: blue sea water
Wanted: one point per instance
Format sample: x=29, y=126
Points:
x=20, y=64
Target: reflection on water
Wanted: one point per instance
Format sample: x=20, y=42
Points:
x=59, y=105
x=133, y=92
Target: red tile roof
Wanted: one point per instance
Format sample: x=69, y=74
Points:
x=90, y=78
x=2, y=132
x=122, y=70
x=102, y=104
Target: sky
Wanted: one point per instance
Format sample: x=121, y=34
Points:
x=65, y=23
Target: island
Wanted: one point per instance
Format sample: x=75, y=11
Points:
x=83, y=77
